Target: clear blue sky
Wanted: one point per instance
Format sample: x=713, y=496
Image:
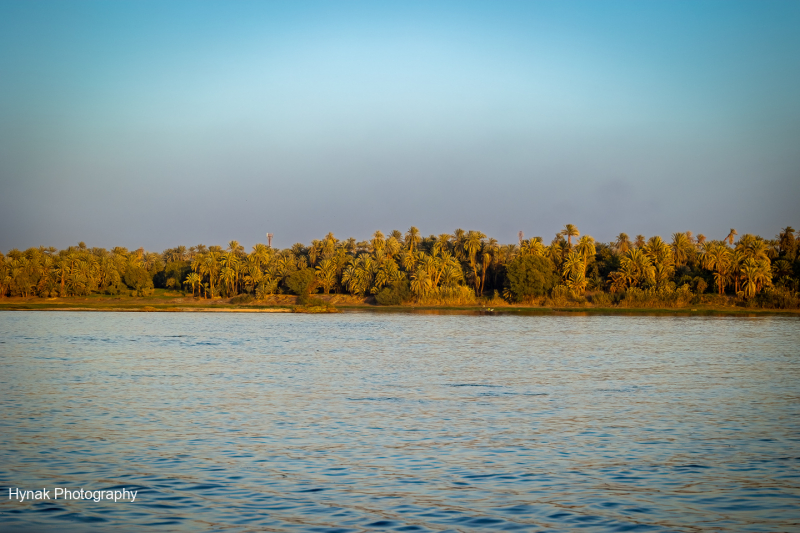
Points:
x=163, y=123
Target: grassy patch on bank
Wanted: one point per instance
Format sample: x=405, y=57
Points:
x=163, y=300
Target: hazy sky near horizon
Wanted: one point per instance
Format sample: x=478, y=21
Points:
x=156, y=124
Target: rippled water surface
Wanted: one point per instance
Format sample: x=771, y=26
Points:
x=365, y=422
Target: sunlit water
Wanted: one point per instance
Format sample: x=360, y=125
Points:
x=364, y=422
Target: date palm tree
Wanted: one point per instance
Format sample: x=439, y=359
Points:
x=193, y=279
x=378, y=241
x=210, y=267
x=412, y=238
x=473, y=243
x=622, y=244
x=230, y=261
x=487, y=258
x=458, y=239
x=573, y=263
x=717, y=257
x=62, y=271
x=638, y=267
x=421, y=284
x=227, y=277
x=753, y=247
x=570, y=231
x=532, y=247
x=392, y=246
x=755, y=273
x=786, y=240
x=733, y=233
x=235, y=248
x=681, y=248
x=586, y=249
x=326, y=273
x=314, y=251
x=262, y=254
x=658, y=251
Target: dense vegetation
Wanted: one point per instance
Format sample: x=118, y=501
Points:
x=463, y=268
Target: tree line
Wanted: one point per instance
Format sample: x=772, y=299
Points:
x=462, y=267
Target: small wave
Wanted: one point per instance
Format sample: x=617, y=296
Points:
x=471, y=385
x=377, y=399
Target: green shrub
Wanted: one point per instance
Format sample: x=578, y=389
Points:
x=242, y=299
x=310, y=304
x=266, y=288
x=138, y=279
x=450, y=295
x=530, y=276
x=602, y=299
x=662, y=297
x=395, y=294
x=716, y=299
x=776, y=298
x=560, y=295
x=301, y=282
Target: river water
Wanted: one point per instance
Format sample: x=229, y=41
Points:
x=401, y=422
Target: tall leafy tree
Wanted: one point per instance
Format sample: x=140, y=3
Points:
x=570, y=231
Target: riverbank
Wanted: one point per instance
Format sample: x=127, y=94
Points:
x=172, y=302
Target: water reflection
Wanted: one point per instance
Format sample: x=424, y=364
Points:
x=357, y=422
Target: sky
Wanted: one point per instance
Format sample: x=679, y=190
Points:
x=159, y=123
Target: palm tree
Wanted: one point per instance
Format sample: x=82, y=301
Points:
x=638, y=267
x=473, y=243
x=755, y=274
x=412, y=238
x=378, y=241
x=392, y=246
x=313, y=251
x=421, y=283
x=458, y=238
x=487, y=258
x=228, y=276
x=717, y=257
x=262, y=253
x=681, y=248
x=532, y=247
x=753, y=247
x=640, y=241
x=62, y=269
x=210, y=267
x=572, y=263
x=230, y=261
x=570, y=231
x=733, y=233
x=622, y=244
x=357, y=276
x=193, y=279
x=658, y=251
x=235, y=248
x=329, y=245
x=786, y=239
x=586, y=249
